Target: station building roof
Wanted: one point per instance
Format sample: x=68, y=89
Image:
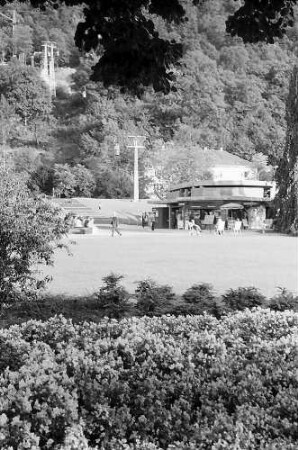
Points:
x=220, y=183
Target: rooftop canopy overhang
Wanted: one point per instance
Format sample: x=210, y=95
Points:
x=215, y=201
x=242, y=203
x=221, y=183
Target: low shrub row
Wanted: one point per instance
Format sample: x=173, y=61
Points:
x=149, y=298
x=175, y=383
x=154, y=299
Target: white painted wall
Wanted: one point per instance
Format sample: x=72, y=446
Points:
x=232, y=173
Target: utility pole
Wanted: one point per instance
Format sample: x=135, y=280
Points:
x=48, y=69
x=136, y=146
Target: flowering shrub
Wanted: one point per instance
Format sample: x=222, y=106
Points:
x=175, y=383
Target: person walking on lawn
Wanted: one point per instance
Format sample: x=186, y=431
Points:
x=144, y=220
x=153, y=220
x=115, y=225
x=194, y=227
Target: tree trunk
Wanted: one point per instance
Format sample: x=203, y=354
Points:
x=287, y=172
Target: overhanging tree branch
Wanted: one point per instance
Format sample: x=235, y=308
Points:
x=134, y=56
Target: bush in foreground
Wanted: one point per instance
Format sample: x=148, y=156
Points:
x=284, y=300
x=30, y=230
x=153, y=298
x=151, y=383
x=242, y=298
x=150, y=298
x=199, y=299
x=112, y=297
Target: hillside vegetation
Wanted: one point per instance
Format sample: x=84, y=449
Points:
x=228, y=94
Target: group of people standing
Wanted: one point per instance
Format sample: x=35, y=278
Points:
x=148, y=220
x=81, y=222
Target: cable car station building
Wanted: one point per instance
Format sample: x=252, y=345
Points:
x=233, y=192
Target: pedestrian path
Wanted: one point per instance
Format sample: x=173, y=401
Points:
x=134, y=230
x=128, y=211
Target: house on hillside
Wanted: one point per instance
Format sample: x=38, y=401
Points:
x=232, y=172
x=233, y=192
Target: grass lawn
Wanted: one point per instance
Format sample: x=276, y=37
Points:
x=175, y=258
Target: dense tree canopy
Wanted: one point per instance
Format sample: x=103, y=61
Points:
x=227, y=94
x=222, y=91
x=25, y=91
x=264, y=20
x=31, y=228
x=134, y=54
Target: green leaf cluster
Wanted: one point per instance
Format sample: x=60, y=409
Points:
x=31, y=229
x=243, y=297
x=112, y=297
x=153, y=298
x=151, y=383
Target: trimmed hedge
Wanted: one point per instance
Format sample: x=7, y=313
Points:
x=146, y=383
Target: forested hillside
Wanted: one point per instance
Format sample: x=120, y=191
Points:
x=227, y=94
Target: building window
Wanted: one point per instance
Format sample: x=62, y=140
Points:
x=266, y=192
